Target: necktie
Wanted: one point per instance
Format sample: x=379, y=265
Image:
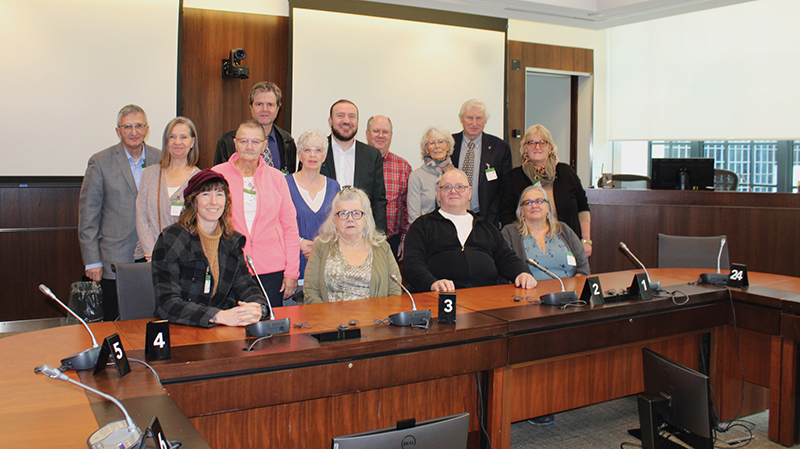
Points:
x=469, y=162
x=267, y=156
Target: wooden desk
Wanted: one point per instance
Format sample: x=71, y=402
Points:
x=292, y=391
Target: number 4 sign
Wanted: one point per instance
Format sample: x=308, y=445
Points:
x=157, y=345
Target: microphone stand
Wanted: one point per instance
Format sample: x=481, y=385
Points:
x=86, y=359
x=654, y=286
x=122, y=434
x=555, y=298
x=412, y=318
x=717, y=278
x=269, y=326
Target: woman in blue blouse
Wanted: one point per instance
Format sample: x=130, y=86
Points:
x=536, y=234
x=312, y=192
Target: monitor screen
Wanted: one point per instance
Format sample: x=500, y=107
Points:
x=682, y=174
x=449, y=432
x=687, y=409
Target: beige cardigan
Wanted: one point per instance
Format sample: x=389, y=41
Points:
x=383, y=264
x=147, y=210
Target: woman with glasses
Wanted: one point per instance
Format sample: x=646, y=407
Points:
x=160, y=199
x=312, y=192
x=564, y=190
x=264, y=213
x=350, y=259
x=436, y=147
x=537, y=235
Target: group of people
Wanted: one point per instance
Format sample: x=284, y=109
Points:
x=322, y=218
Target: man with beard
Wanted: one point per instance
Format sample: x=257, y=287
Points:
x=353, y=163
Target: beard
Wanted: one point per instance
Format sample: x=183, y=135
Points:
x=342, y=137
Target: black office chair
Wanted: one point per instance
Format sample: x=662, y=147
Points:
x=675, y=251
x=625, y=181
x=135, y=293
x=725, y=179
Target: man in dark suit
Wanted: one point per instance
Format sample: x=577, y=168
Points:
x=265, y=103
x=107, y=205
x=486, y=159
x=354, y=163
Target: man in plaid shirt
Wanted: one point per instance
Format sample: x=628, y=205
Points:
x=395, y=176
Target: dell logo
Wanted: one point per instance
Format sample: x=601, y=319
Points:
x=408, y=442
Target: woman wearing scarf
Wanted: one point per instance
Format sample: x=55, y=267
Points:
x=436, y=147
x=563, y=187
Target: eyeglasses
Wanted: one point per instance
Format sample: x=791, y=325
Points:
x=538, y=201
x=432, y=143
x=380, y=132
x=345, y=214
x=448, y=188
x=536, y=143
x=128, y=127
x=311, y=150
x=527, y=298
x=245, y=142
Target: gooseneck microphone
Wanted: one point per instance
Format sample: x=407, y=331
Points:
x=86, y=359
x=654, y=286
x=122, y=434
x=414, y=317
x=555, y=298
x=269, y=326
x=718, y=277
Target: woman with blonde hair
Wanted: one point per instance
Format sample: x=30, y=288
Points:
x=350, y=259
x=537, y=235
x=564, y=191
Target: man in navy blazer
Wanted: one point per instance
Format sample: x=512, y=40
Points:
x=107, y=207
x=355, y=163
x=491, y=160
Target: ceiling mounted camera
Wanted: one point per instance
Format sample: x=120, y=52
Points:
x=232, y=67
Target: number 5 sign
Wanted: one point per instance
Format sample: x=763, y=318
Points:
x=112, y=348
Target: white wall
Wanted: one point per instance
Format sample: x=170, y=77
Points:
x=599, y=153
x=724, y=73
x=68, y=68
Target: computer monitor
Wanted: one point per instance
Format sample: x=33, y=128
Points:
x=675, y=399
x=449, y=432
x=682, y=174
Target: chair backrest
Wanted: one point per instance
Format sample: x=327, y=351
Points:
x=626, y=181
x=725, y=179
x=675, y=251
x=135, y=293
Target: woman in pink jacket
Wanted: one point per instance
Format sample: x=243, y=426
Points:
x=264, y=213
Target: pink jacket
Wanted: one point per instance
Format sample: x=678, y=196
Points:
x=274, y=243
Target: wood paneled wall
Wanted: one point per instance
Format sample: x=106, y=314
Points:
x=218, y=105
x=761, y=227
x=540, y=56
x=39, y=245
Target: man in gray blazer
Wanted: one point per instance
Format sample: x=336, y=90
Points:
x=107, y=208
x=354, y=163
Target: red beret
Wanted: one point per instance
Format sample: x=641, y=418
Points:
x=203, y=176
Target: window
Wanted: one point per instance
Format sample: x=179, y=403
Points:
x=762, y=165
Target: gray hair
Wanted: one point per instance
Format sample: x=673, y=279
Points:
x=369, y=122
x=555, y=226
x=473, y=104
x=309, y=138
x=327, y=231
x=552, y=159
x=439, y=133
x=128, y=110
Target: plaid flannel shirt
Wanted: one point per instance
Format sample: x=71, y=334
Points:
x=395, y=175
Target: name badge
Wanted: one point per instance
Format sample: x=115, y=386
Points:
x=571, y=260
x=207, y=284
x=491, y=174
x=249, y=196
x=176, y=209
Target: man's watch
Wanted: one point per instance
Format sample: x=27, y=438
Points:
x=264, y=311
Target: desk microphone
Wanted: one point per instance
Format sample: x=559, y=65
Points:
x=270, y=326
x=122, y=434
x=414, y=317
x=556, y=298
x=717, y=278
x=86, y=359
x=654, y=286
